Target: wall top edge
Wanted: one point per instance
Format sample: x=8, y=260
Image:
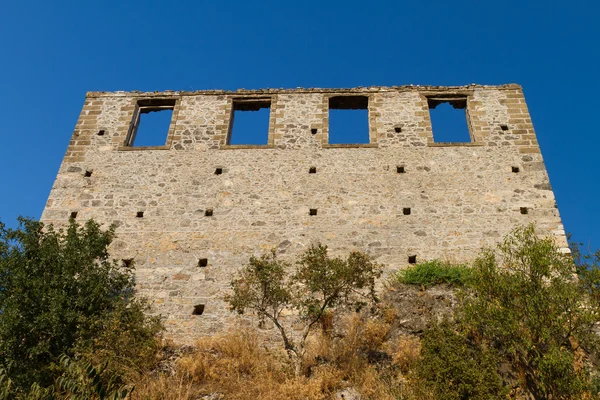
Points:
x=299, y=90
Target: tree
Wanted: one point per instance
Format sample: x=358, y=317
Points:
x=319, y=284
x=528, y=311
x=57, y=288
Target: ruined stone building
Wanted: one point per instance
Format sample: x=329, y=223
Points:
x=191, y=210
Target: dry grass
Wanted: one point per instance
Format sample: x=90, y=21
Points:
x=358, y=354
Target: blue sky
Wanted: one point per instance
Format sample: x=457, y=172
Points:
x=53, y=52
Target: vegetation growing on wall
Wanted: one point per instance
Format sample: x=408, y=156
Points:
x=523, y=326
x=434, y=272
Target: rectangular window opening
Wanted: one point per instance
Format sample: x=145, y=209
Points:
x=406, y=211
x=73, y=215
x=400, y=169
x=151, y=122
x=218, y=171
x=349, y=120
x=524, y=210
x=208, y=212
x=250, y=122
x=312, y=211
x=139, y=214
x=449, y=119
x=515, y=170
x=198, y=309
x=312, y=170
x=412, y=259
x=203, y=262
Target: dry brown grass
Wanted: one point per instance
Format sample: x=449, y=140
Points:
x=358, y=354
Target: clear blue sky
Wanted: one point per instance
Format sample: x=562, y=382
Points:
x=53, y=52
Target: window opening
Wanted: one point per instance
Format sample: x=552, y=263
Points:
x=250, y=122
x=349, y=120
x=73, y=214
x=412, y=259
x=203, y=262
x=139, y=214
x=151, y=122
x=198, y=309
x=312, y=170
x=400, y=169
x=218, y=171
x=515, y=169
x=313, y=211
x=101, y=132
x=504, y=127
x=524, y=210
x=208, y=212
x=406, y=211
x=449, y=119
x=313, y=131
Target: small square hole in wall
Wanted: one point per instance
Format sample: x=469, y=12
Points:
x=151, y=122
x=249, y=123
x=398, y=129
x=406, y=211
x=218, y=171
x=312, y=170
x=313, y=211
x=400, y=169
x=87, y=173
x=524, y=210
x=349, y=120
x=314, y=131
x=449, y=119
x=198, y=309
x=412, y=259
x=127, y=262
x=73, y=214
x=208, y=212
x=101, y=132
x=139, y=214
x=515, y=169
x=504, y=127
x=203, y=262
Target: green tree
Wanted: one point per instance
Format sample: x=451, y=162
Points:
x=528, y=310
x=319, y=284
x=58, y=291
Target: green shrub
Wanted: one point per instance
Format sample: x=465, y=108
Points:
x=61, y=295
x=434, y=273
x=320, y=284
x=525, y=303
x=457, y=367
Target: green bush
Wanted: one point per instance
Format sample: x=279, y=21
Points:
x=60, y=295
x=320, y=284
x=455, y=366
x=434, y=273
x=525, y=307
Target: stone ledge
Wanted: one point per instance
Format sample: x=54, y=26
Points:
x=141, y=148
x=351, y=146
x=266, y=91
x=455, y=144
x=246, y=146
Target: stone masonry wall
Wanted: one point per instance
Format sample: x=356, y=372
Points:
x=462, y=196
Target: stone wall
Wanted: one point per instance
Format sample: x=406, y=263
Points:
x=461, y=196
